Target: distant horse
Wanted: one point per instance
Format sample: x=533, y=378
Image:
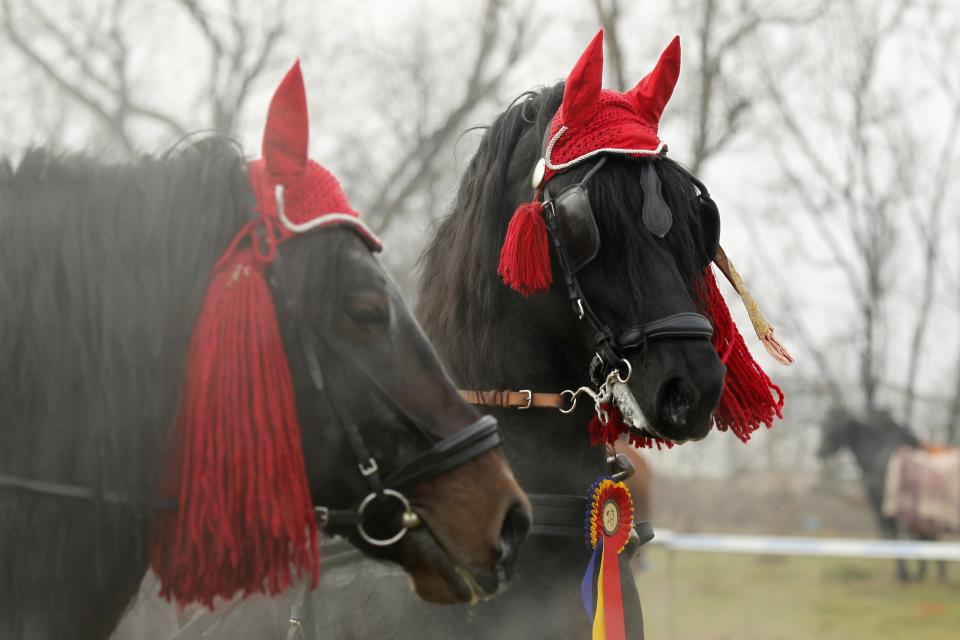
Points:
x=873, y=441
x=621, y=297
x=211, y=346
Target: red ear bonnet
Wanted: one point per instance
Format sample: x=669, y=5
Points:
x=652, y=93
x=287, y=131
x=581, y=92
x=592, y=120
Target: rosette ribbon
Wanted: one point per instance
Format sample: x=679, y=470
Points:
x=609, y=520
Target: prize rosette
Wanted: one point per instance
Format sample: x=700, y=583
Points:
x=609, y=520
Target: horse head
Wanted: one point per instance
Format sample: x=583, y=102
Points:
x=606, y=268
x=309, y=384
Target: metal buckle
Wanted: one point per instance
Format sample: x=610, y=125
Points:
x=529, y=399
x=370, y=469
x=323, y=516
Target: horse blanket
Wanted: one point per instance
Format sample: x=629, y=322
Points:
x=922, y=490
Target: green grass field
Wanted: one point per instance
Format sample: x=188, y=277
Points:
x=745, y=597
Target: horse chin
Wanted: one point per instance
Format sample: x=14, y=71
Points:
x=436, y=576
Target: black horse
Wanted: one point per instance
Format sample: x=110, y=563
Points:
x=527, y=349
x=873, y=440
x=103, y=269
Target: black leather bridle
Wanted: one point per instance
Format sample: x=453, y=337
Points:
x=442, y=455
x=611, y=349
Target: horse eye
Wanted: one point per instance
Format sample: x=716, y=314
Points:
x=368, y=310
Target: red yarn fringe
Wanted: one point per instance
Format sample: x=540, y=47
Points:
x=245, y=518
x=608, y=433
x=749, y=398
x=525, y=255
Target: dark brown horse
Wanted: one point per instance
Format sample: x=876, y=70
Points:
x=103, y=271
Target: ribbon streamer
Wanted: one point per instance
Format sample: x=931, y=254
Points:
x=609, y=520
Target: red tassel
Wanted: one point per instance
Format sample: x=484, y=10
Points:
x=525, y=255
x=749, y=398
x=245, y=518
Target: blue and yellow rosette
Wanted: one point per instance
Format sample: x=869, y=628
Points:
x=608, y=523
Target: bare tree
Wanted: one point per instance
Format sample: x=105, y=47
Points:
x=502, y=39
x=857, y=204
x=86, y=53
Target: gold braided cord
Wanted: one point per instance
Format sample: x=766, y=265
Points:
x=760, y=325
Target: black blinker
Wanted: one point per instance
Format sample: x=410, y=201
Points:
x=656, y=214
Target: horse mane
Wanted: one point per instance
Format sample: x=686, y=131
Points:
x=460, y=290
x=103, y=267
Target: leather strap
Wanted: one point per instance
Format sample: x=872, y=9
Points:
x=565, y=515
x=506, y=399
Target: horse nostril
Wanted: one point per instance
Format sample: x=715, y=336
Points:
x=674, y=401
x=516, y=525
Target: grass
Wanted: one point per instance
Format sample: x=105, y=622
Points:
x=744, y=597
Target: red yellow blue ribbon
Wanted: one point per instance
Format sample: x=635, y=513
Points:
x=608, y=524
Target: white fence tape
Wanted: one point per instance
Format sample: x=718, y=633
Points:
x=793, y=546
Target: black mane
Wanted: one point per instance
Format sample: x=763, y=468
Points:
x=102, y=270
x=462, y=321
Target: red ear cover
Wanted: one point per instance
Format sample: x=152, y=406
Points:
x=287, y=130
x=652, y=93
x=582, y=91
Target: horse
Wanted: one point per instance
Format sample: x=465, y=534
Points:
x=202, y=363
x=873, y=441
x=578, y=292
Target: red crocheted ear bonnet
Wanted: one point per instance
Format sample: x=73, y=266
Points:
x=244, y=521
x=593, y=121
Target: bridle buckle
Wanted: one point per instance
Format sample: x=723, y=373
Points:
x=323, y=516
x=529, y=399
x=369, y=469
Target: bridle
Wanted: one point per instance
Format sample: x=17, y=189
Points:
x=439, y=456
x=442, y=455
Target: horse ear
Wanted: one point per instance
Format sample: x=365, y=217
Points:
x=286, y=133
x=582, y=90
x=652, y=93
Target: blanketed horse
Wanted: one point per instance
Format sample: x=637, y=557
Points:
x=877, y=442
x=568, y=291
x=202, y=362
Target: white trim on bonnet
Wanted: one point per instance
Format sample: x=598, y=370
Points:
x=559, y=167
x=320, y=221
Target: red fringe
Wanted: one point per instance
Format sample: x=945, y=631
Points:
x=525, y=255
x=609, y=433
x=245, y=519
x=749, y=398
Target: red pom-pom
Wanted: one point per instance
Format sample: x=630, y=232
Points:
x=525, y=255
